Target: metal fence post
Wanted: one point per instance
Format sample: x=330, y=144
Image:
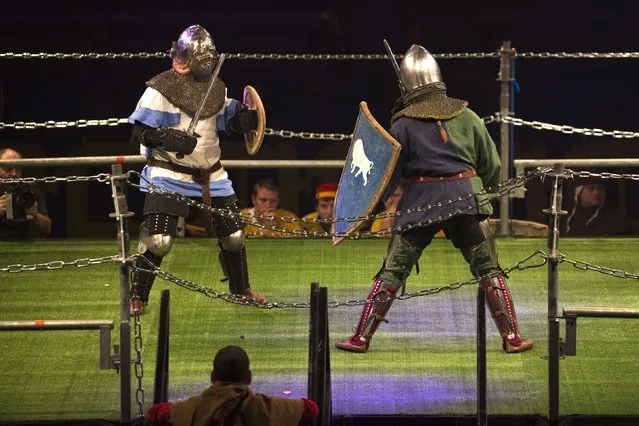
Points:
x=554, y=345
x=118, y=191
x=505, y=79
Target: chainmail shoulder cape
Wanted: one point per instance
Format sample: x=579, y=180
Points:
x=186, y=92
x=430, y=102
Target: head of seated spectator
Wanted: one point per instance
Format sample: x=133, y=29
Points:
x=231, y=364
x=324, y=204
x=265, y=198
x=22, y=206
x=265, y=218
x=590, y=215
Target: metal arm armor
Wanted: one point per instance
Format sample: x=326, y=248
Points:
x=243, y=121
x=172, y=140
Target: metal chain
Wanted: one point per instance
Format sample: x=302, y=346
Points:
x=137, y=327
x=139, y=366
x=189, y=285
x=102, y=177
x=59, y=264
x=253, y=56
x=29, y=125
x=356, y=56
x=107, y=55
x=520, y=266
x=501, y=190
x=602, y=175
x=325, y=56
x=578, y=55
x=587, y=266
x=286, y=134
x=237, y=299
x=539, y=125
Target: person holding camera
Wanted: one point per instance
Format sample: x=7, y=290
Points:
x=22, y=206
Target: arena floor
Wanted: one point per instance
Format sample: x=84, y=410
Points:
x=422, y=363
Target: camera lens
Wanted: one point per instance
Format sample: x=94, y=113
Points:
x=25, y=198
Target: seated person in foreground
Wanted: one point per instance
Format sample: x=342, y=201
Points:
x=266, y=211
x=229, y=400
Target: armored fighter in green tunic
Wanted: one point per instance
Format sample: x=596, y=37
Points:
x=447, y=153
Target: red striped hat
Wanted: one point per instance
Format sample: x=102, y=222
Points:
x=326, y=190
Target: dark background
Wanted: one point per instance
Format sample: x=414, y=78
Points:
x=318, y=96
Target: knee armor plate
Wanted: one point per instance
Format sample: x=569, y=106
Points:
x=233, y=242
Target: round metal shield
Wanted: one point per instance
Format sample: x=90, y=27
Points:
x=254, y=138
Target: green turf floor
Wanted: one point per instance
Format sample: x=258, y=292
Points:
x=422, y=362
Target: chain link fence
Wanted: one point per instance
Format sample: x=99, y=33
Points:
x=306, y=135
x=243, y=56
x=566, y=129
x=534, y=260
x=262, y=221
x=326, y=56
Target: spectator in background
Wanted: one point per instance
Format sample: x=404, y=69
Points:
x=230, y=401
x=324, y=205
x=266, y=211
x=22, y=206
x=390, y=206
x=194, y=225
x=590, y=217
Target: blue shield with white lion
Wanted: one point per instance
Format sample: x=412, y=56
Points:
x=367, y=170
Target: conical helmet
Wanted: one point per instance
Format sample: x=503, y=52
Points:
x=419, y=68
x=424, y=92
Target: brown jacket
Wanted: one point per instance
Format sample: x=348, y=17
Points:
x=235, y=404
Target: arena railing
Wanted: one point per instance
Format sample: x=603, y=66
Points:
x=140, y=159
x=522, y=164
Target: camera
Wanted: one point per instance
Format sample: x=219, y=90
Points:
x=20, y=197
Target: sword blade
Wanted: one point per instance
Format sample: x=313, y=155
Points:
x=196, y=117
x=395, y=66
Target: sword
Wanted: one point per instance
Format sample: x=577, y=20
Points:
x=395, y=66
x=196, y=117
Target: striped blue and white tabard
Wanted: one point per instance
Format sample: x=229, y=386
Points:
x=155, y=110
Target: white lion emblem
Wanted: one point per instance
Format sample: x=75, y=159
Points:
x=360, y=161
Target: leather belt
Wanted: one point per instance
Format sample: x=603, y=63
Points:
x=196, y=173
x=200, y=176
x=463, y=175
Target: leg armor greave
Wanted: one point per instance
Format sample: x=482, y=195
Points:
x=232, y=240
x=233, y=262
x=502, y=308
x=482, y=261
x=157, y=233
x=381, y=297
x=143, y=281
x=400, y=259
